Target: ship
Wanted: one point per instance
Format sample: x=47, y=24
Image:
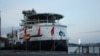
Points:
x=39, y=32
x=42, y=34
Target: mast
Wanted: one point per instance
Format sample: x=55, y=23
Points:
x=0, y=24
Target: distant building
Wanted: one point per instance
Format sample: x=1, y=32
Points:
x=3, y=42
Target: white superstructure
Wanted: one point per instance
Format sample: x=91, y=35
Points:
x=44, y=24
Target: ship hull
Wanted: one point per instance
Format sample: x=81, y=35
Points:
x=44, y=45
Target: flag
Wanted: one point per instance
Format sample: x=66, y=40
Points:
x=25, y=31
x=52, y=31
x=26, y=36
x=38, y=33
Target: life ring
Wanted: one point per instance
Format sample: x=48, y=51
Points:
x=61, y=33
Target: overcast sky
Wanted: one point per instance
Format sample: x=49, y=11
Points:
x=81, y=16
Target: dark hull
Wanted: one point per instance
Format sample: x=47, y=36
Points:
x=47, y=45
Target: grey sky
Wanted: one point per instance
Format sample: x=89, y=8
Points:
x=81, y=16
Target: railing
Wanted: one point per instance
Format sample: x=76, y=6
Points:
x=87, y=49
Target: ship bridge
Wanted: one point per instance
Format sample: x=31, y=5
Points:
x=45, y=17
x=31, y=18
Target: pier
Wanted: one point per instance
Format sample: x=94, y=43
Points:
x=29, y=53
x=80, y=50
x=91, y=48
